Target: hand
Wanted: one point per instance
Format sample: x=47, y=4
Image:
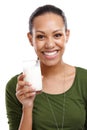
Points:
x=25, y=92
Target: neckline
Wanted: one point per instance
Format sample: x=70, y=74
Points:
x=67, y=91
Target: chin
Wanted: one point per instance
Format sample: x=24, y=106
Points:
x=51, y=63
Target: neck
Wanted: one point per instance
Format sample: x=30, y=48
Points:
x=52, y=70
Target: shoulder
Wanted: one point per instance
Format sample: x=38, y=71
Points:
x=81, y=78
x=81, y=72
x=10, y=91
x=13, y=106
x=11, y=84
x=81, y=69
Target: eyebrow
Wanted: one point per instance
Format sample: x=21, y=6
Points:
x=58, y=30
x=40, y=31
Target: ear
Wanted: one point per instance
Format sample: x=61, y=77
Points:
x=29, y=35
x=67, y=35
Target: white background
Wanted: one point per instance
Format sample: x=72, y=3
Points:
x=14, y=45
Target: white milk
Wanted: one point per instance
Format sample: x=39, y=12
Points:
x=32, y=71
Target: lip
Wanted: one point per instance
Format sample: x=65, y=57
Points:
x=50, y=54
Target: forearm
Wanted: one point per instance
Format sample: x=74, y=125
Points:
x=26, y=119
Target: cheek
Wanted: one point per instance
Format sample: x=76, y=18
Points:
x=60, y=43
x=36, y=46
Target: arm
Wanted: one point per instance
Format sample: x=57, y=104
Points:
x=25, y=94
x=86, y=120
x=26, y=120
x=13, y=106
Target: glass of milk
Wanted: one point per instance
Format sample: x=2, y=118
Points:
x=32, y=71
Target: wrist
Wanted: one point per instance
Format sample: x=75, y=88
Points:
x=27, y=107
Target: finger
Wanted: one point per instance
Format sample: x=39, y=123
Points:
x=29, y=89
x=25, y=89
x=22, y=84
x=19, y=93
x=20, y=77
x=23, y=95
x=19, y=86
x=27, y=95
x=20, y=96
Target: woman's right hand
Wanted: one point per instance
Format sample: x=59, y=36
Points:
x=25, y=92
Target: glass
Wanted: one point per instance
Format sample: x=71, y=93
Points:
x=32, y=71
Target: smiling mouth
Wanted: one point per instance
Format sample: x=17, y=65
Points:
x=50, y=54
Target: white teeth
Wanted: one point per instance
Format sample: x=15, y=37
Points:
x=50, y=53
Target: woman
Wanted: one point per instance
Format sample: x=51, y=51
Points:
x=62, y=104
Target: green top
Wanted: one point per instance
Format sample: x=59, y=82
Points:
x=74, y=112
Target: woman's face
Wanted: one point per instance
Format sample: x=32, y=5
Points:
x=49, y=38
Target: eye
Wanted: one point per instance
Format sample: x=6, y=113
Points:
x=58, y=35
x=40, y=37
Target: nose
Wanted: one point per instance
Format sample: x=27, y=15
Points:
x=49, y=43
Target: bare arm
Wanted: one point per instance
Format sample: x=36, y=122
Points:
x=25, y=94
x=26, y=120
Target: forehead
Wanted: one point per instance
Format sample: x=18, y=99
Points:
x=48, y=20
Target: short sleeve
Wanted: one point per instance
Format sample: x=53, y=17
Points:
x=13, y=106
